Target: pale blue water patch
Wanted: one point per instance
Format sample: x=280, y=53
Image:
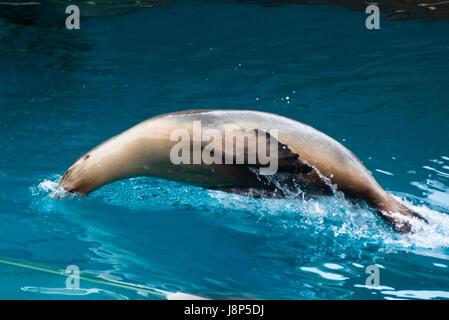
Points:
x=381, y=93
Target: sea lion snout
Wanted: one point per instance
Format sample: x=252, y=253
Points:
x=71, y=181
x=80, y=178
x=102, y=165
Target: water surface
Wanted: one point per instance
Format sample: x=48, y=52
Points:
x=383, y=94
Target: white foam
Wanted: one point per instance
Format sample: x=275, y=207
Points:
x=73, y=292
x=440, y=265
x=50, y=187
x=385, y=172
x=183, y=296
x=418, y=294
x=325, y=275
x=373, y=287
x=333, y=266
x=323, y=214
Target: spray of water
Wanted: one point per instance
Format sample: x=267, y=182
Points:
x=332, y=215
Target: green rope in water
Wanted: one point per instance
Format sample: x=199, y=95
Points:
x=62, y=272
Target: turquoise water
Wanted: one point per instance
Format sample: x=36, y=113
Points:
x=383, y=94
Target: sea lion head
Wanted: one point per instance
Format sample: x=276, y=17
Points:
x=82, y=177
x=120, y=157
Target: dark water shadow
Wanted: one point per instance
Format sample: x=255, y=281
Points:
x=396, y=10
x=52, y=12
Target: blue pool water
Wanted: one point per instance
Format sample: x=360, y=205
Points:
x=382, y=93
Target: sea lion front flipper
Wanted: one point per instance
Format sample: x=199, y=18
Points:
x=288, y=161
x=254, y=147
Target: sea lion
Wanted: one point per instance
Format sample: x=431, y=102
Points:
x=306, y=159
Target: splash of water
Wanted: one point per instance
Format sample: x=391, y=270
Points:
x=51, y=187
x=331, y=214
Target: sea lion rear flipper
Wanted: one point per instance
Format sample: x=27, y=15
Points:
x=399, y=215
